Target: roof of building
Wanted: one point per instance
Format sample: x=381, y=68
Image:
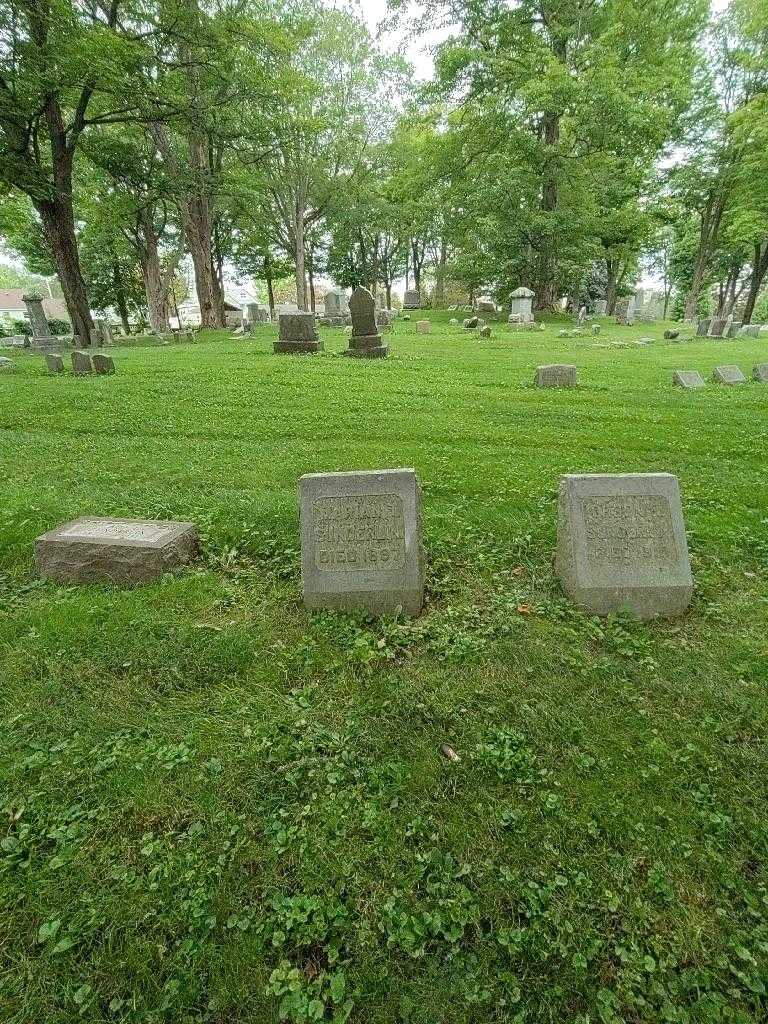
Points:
x=12, y=301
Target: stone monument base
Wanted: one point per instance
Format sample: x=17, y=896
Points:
x=369, y=347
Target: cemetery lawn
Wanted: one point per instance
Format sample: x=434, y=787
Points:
x=217, y=807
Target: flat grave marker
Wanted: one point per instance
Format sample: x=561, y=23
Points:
x=556, y=375
x=688, y=379
x=730, y=374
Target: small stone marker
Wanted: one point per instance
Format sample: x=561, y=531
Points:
x=95, y=549
x=729, y=375
x=621, y=544
x=716, y=328
x=453, y=322
x=485, y=304
x=485, y=332
x=671, y=335
x=7, y=365
x=412, y=300
x=103, y=364
x=601, y=307
x=596, y=328
x=361, y=541
x=365, y=341
x=760, y=373
x=81, y=363
x=54, y=362
x=688, y=379
x=732, y=329
x=424, y=326
x=298, y=333
x=472, y=322
x=556, y=375
x=702, y=328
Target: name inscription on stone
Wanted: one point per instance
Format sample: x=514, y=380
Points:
x=116, y=531
x=364, y=531
x=629, y=530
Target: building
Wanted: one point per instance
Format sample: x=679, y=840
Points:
x=12, y=306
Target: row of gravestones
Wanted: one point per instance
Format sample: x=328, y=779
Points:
x=83, y=363
x=621, y=544
x=691, y=379
x=298, y=330
x=728, y=328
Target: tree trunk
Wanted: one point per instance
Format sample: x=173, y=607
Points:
x=440, y=275
x=270, y=286
x=711, y=216
x=311, y=278
x=759, y=271
x=58, y=220
x=610, y=287
x=120, y=303
x=300, y=251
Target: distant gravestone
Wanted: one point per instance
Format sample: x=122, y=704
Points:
x=385, y=317
x=298, y=333
x=671, y=335
x=255, y=313
x=41, y=332
x=361, y=541
x=96, y=549
x=336, y=304
x=7, y=365
x=485, y=332
x=760, y=373
x=472, y=322
x=596, y=328
x=702, y=329
x=412, y=300
x=601, y=307
x=556, y=375
x=621, y=544
x=104, y=332
x=453, y=322
x=424, y=326
x=365, y=342
x=749, y=331
x=688, y=379
x=625, y=310
x=733, y=329
x=102, y=364
x=716, y=328
x=54, y=362
x=485, y=304
x=81, y=363
x=521, y=306
x=729, y=375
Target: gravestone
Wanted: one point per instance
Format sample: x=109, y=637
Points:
x=102, y=364
x=716, y=328
x=7, y=365
x=54, y=362
x=671, y=335
x=412, y=300
x=453, y=322
x=596, y=328
x=485, y=304
x=96, y=549
x=298, y=333
x=749, y=331
x=601, y=307
x=760, y=373
x=582, y=317
x=336, y=305
x=255, y=313
x=688, y=379
x=521, y=306
x=702, y=330
x=621, y=544
x=485, y=332
x=729, y=375
x=556, y=375
x=365, y=342
x=81, y=363
x=424, y=326
x=733, y=329
x=385, y=317
x=472, y=322
x=625, y=310
x=41, y=332
x=103, y=332
x=286, y=307
x=361, y=541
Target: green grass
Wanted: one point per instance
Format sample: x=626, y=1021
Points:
x=215, y=805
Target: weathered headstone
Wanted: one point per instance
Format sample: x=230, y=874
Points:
x=556, y=375
x=688, y=379
x=103, y=331
x=97, y=549
x=596, y=328
x=424, y=326
x=255, y=313
x=625, y=310
x=361, y=541
x=485, y=332
x=485, y=304
x=7, y=365
x=621, y=544
x=412, y=300
x=733, y=328
x=472, y=322
x=453, y=322
x=716, y=328
x=385, y=317
x=601, y=307
x=671, y=335
x=298, y=333
x=102, y=364
x=749, y=331
x=365, y=342
x=702, y=329
x=521, y=306
x=81, y=363
x=760, y=373
x=41, y=332
x=54, y=362
x=730, y=374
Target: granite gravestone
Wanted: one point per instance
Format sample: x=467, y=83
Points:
x=412, y=300
x=424, y=326
x=556, y=375
x=41, y=332
x=716, y=328
x=365, y=341
x=485, y=304
x=54, y=362
x=749, y=331
x=521, y=306
x=688, y=379
x=96, y=549
x=103, y=365
x=601, y=307
x=6, y=365
x=298, y=333
x=104, y=332
x=625, y=310
x=729, y=375
x=81, y=363
x=732, y=329
x=760, y=373
x=361, y=541
x=255, y=313
x=621, y=544
x=702, y=329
